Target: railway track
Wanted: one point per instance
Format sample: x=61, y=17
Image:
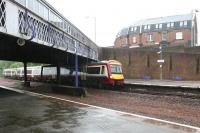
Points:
x=152, y=90
x=162, y=91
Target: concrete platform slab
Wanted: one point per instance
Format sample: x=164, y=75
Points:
x=22, y=113
x=164, y=83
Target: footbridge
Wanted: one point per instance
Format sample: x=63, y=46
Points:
x=33, y=31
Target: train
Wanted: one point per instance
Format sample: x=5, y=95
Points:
x=98, y=74
x=105, y=73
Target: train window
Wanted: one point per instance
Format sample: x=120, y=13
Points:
x=103, y=70
x=115, y=69
x=18, y=71
x=29, y=71
x=8, y=72
x=93, y=70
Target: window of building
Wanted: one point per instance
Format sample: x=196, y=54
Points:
x=55, y=19
x=185, y=23
x=31, y=4
x=164, y=36
x=156, y=26
x=145, y=27
x=132, y=28
x=172, y=24
x=65, y=26
x=160, y=26
x=168, y=25
x=179, y=35
x=69, y=30
x=148, y=27
x=181, y=24
x=149, y=37
x=134, y=39
x=135, y=28
x=46, y=13
x=23, y=2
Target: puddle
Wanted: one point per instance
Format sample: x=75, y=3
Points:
x=22, y=113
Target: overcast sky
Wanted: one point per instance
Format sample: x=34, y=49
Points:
x=113, y=15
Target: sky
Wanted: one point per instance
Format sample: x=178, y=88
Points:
x=114, y=15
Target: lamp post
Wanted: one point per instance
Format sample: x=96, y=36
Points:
x=161, y=64
x=94, y=18
x=160, y=61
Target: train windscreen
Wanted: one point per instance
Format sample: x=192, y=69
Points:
x=115, y=69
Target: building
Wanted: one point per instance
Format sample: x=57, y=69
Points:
x=174, y=30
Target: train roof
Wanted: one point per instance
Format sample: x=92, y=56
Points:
x=8, y=69
x=106, y=62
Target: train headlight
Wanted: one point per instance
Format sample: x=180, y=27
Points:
x=111, y=77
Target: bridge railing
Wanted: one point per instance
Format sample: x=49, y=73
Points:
x=2, y=14
x=44, y=26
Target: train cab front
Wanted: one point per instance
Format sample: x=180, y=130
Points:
x=116, y=75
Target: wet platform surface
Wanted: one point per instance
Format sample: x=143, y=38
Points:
x=21, y=113
x=164, y=83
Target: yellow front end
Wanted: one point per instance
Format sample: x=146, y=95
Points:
x=117, y=76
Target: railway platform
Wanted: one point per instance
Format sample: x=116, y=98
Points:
x=164, y=83
x=42, y=113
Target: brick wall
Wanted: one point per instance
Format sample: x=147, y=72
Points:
x=157, y=37
x=140, y=63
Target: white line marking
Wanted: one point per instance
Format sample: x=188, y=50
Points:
x=11, y=89
x=98, y=107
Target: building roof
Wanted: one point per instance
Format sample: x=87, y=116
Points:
x=163, y=19
x=159, y=20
